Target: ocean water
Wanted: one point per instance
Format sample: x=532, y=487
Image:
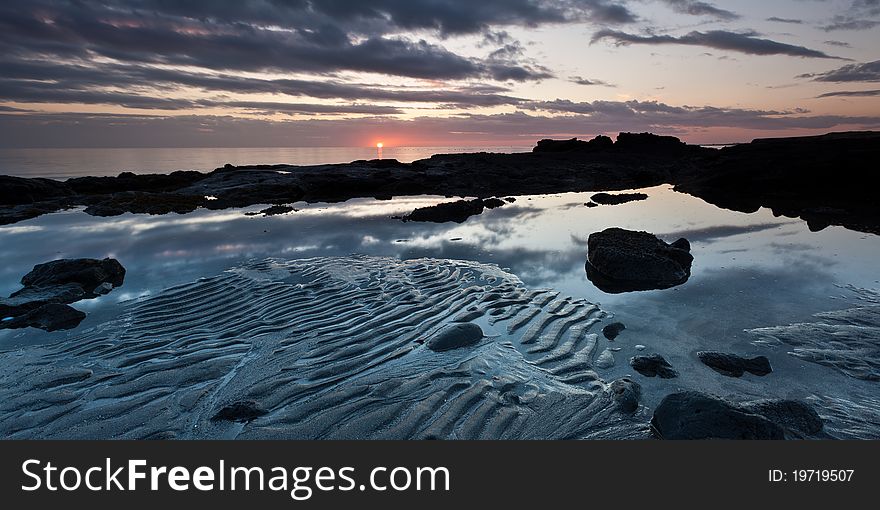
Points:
x=65, y=163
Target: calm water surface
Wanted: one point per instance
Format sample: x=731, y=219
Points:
x=65, y=163
x=750, y=270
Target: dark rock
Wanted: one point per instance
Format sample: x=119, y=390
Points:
x=825, y=180
x=617, y=199
x=31, y=298
x=682, y=244
x=591, y=204
x=458, y=211
x=454, y=336
x=19, y=190
x=626, y=393
x=652, y=366
x=648, y=142
x=49, y=287
x=48, y=317
x=241, y=411
x=493, y=203
x=87, y=273
x=621, y=260
x=732, y=365
x=573, y=145
x=612, y=330
x=694, y=415
x=798, y=418
x=274, y=210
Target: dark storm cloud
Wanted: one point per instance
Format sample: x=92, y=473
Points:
x=696, y=8
x=30, y=81
x=867, y=72
x=747, y=42
x=851, y=93
x=294, y=36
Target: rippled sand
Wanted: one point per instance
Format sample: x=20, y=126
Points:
x=328, y=348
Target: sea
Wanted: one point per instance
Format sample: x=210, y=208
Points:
x=66, y=163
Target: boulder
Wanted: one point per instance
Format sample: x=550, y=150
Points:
x=621, y=260
x=48, y=317
x=50, y=287
x=626, y=393
x=87, y=273
x=613, y=330
x=653, y=366
x=732, y=365
x=695, y=415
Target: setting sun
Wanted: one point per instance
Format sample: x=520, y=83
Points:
x=380, y=145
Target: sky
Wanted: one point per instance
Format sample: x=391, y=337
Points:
x=306, y=73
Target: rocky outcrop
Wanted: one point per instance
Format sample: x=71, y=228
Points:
x=457, y=212
x=617, y=199
x=825, y=180
x=653, y=366
x=50, y=287
x=621, y=260
x=694, y=415
x=732, y=365
x=573, y=144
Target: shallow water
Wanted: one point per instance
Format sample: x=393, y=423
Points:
x=750, y=270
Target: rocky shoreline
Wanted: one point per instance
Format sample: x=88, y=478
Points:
x=823, y=179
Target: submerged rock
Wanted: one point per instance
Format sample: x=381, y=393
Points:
x=732, y=365
x=605, y=359
x=695, y=415
x=613, y=330
x=621, y=260
x=241, y=411
x=652, y=366
x=454, y=336
x=50, y=287
x=617, y=199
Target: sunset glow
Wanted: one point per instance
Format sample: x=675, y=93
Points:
x=309, y=74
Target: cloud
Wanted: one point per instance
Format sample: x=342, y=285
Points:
x=552, y=119
x=847, y=23
x=747, y=42
x=851, y=93
x=299, y=36
x=588, y=81
x=697, y=8
x=867, y=72
x=777, y=19
x=840, y=44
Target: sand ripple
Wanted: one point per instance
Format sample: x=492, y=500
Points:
x=328, y=348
